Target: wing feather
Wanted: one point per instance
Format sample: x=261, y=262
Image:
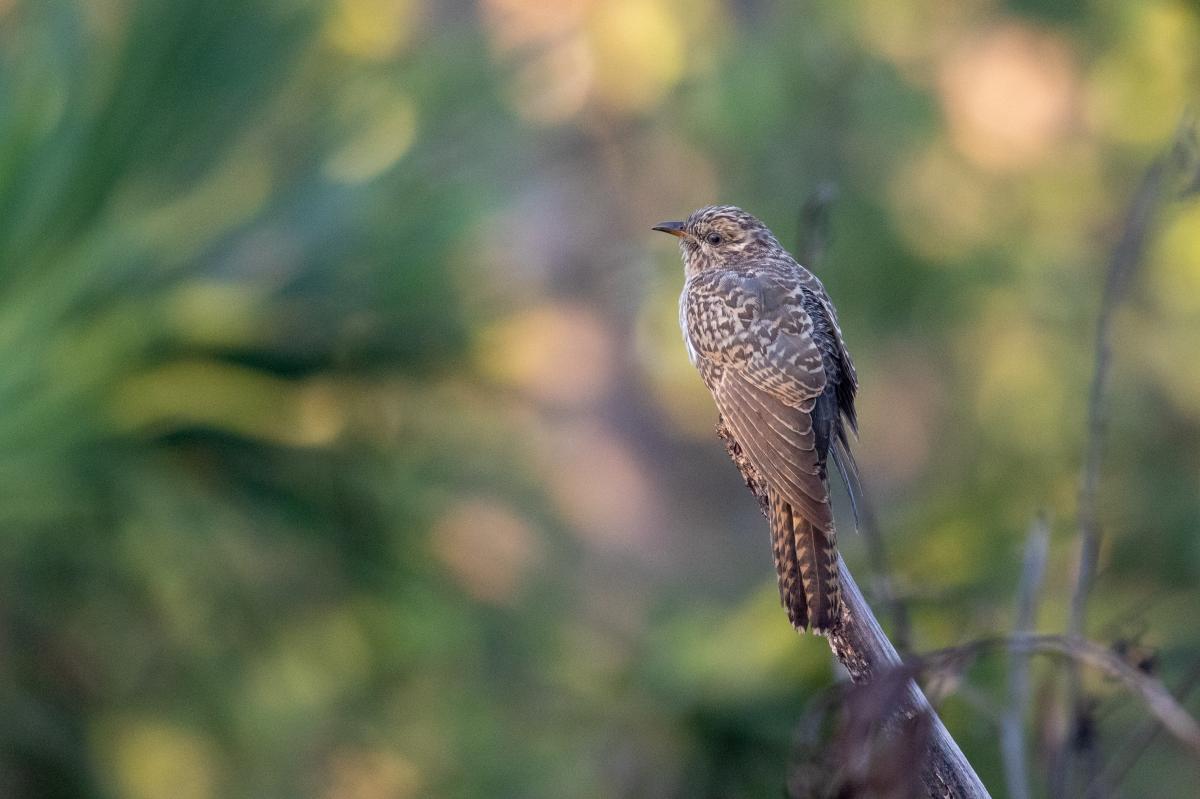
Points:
x=789, y=463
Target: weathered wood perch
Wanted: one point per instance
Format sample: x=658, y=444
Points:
x=865, y=651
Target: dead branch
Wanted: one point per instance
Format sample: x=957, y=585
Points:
x=862, y=647
x=1157, y=699
x=1126, y=259
x=1139, y=740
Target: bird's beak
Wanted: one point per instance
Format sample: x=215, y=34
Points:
x=674, y=228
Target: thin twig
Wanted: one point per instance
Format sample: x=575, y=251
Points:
x=1012, y=723
x=1140, y=739
x=1158, y=700
x=1126, y=258
x=861, y=646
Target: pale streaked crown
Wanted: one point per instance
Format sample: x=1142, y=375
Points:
x=723, y=235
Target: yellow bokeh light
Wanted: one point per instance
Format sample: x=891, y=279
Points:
x=639, y=53
x=559, y=354
x=1168, y=342
x=215, y=313
x=149, y=759
x=1176, y=272
x=616, y=56
x=376, y=29
x=231, y=398
x=384, y=127
x=1138, y=91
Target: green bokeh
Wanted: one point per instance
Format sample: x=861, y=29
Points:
x=347, y=448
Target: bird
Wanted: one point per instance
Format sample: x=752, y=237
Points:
x=765, y=337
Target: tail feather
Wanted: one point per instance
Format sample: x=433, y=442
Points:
x=807, y=566
x=816, y=554
x=848, y=469
x=783, y=546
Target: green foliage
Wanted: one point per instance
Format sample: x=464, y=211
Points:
x=347, y=447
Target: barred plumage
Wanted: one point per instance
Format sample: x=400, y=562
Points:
x=765, y=337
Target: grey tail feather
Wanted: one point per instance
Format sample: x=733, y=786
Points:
x=848, y=469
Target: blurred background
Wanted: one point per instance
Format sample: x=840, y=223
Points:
x=348, y=447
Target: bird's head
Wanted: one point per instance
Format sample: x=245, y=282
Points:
x=720, y=236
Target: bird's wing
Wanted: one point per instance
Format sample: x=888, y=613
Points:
x=756, y=324
x=764, y=367
x=836, y=407
x=847, y=386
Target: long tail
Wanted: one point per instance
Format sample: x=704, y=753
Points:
x=783, y=546
x=816, y=555
x=807, y=566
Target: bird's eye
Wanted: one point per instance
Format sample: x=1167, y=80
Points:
x=713, y=238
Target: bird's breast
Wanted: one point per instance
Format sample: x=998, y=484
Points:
x=693, y=356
